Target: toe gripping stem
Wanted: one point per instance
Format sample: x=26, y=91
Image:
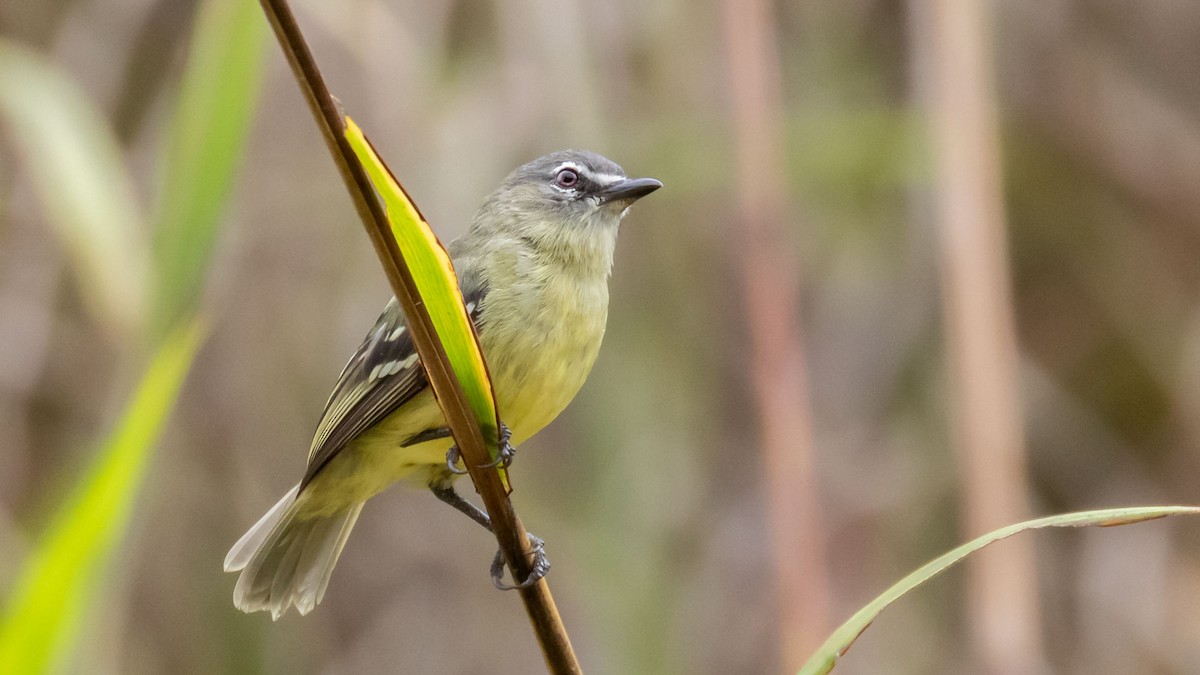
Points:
x=538, y=569
x=505, y=453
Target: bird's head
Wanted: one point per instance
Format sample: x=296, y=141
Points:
x=567, y=204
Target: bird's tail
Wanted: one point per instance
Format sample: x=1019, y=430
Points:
x=286, y=560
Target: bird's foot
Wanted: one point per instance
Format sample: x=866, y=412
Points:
x=504, y=455
x=505, y=450
x=537, y=569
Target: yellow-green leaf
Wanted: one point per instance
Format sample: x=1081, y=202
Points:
x=437, y=284
x=218, y=95
x=826, y=657
x=50, y=597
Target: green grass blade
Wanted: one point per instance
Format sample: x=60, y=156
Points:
x=52, y=592
x=216, y=104
x=826, y=657
x=81, y=179
x=438, y=285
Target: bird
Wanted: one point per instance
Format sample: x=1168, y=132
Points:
x=533, y=269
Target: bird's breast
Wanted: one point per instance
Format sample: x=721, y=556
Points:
x=540, y=347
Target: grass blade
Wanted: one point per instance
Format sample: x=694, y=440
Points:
x=826, y=657
x=438, y=285
x=52, y=592
x=216, y=104
x=81, y=180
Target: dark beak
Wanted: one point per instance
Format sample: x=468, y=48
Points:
x=629, y=190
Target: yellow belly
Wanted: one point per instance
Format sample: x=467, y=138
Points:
x=531, y=392
x=537, y=367
x=540, y=356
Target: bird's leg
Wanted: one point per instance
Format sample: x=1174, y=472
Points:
x=427, y=435
x=445, y=491
x=452, y=456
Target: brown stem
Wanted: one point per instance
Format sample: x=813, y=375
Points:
x=776, y=356
x=980, y=333
x=510, y=533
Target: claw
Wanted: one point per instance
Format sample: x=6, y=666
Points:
x=504, y=455
x=538, y=569
x=452, y=458
x=505, y=451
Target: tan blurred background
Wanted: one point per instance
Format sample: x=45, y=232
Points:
x=808, y=154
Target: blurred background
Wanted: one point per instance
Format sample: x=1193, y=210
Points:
x=921, y=268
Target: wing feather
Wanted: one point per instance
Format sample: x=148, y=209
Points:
x=382, y=375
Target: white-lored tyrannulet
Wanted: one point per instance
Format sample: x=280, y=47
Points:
x=533, y=270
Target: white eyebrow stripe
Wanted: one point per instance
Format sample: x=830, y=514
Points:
x=601, y=179
x=606, y=179
x=571, y=165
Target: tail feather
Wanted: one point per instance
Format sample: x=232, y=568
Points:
x=286, y=561
x=239, y=556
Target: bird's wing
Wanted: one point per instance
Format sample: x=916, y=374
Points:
x=383, y=375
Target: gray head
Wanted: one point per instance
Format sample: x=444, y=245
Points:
x=576, y=182
x=567, y=203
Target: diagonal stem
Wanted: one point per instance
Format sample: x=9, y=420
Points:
x=510, y=533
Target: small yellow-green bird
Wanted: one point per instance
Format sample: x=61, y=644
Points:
x=533, y=270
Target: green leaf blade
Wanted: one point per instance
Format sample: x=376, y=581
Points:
x=51, y=593
x=437, y=283
x=825, y=658
x=214, y=110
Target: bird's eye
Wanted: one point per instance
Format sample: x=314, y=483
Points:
x=567, y=178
